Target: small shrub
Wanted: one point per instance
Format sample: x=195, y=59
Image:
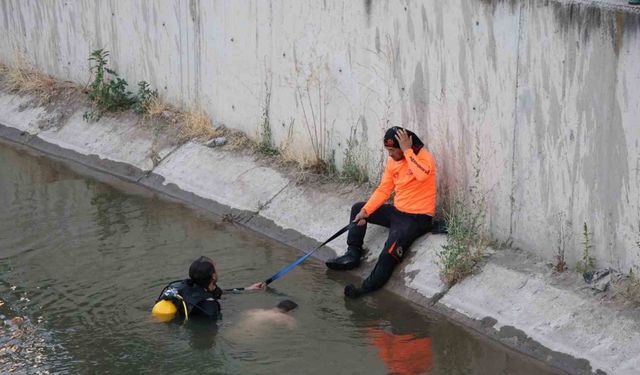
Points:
x=265, y=146
x=561, y=264
x=564, y=233
x=465, y=241
x=145, y=98
x=587, y=263
x=628, y=287
x=109, y=92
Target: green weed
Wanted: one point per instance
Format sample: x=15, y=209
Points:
x=587, y=263
x=109, y=92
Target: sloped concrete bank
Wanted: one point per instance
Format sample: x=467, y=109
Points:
x=515, y=299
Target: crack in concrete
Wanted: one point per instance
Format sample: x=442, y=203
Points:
x=265, y=204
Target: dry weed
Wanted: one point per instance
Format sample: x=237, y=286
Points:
x=195, y=125
x=239, y=141
x=628, y=288
x=20, y=77
x=156, y=107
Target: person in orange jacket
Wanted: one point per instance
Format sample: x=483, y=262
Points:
x=410, y=173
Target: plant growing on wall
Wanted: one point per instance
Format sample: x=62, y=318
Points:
x=265, y=144
x=563, y=236
x=354, y=168
x=312, y=97
x=587, y=263
x=108, y=91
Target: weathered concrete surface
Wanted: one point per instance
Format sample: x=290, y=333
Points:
x=532, y=104
x=421, y=272
x=525, y=295
x=576, y=150
x=234, y=181
x=18, y=114
x=515, y=299
x=104, y=139
x=317, y=211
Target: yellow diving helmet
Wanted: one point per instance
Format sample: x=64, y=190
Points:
x=164, y=310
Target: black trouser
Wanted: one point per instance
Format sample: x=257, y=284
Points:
x=404, y=228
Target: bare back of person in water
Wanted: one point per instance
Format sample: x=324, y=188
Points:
x=257, y=322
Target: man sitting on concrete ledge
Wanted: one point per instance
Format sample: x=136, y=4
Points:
x=411, y=173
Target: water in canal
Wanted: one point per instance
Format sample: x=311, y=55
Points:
x=82, y=262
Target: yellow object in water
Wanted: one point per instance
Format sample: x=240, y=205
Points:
x=164, y=310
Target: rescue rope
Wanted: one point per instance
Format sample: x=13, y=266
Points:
x=291, y=266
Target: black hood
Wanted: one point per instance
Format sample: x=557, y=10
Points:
x=390, y=139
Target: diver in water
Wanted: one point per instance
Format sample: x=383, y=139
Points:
x=196, y=296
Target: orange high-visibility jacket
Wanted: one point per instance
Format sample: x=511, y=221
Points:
x=414, y=181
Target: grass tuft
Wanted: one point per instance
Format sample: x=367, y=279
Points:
x=629, y=287
x=22, y=78
x=195, y=125
x=466, y=242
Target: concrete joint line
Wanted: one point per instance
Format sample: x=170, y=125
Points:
x=265, y=204
x=438, y=296
x=245, y=172
x=148, y=173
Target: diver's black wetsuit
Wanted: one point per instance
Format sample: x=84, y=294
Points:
x=199, y=302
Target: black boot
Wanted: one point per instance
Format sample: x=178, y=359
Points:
x=348, y=261
x=352, y=292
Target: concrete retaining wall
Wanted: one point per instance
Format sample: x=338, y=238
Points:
x=535, y=103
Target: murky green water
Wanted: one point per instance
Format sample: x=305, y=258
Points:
x=82, y=262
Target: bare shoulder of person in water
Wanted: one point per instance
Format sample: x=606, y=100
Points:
x=259, y=322
x=259, y=317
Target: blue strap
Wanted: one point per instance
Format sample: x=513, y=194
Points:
x=288, y=268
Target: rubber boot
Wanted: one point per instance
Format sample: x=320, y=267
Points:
x=352, y=292
x=348, y=261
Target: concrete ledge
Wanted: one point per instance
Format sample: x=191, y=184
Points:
x=105, y=140
x=558, y=317
x=513, y=299
x=233, y=180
